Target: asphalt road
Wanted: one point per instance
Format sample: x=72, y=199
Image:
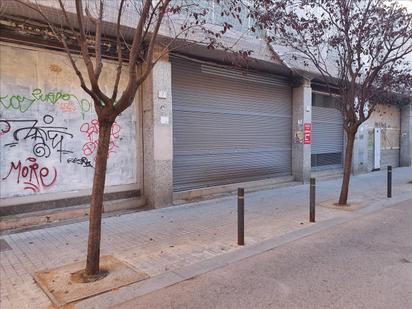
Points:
x=366, y=263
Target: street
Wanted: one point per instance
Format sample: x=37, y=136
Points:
x=365, y=263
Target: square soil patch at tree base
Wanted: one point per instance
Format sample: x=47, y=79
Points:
x=351, y=206
x=62, y=287
x=4, y=246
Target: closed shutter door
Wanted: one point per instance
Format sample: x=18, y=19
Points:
x=227, y=127
x=327, y=133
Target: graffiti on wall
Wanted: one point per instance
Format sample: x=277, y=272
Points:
x=48, y=125
x=4, y=127
x=46, y=136
x=83, y=161
x=67, y=102
x=31, y=175
x=36, y=147
x=91, y=132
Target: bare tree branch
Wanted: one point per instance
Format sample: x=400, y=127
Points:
x=119, y=52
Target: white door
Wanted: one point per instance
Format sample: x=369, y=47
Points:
x=376, y=148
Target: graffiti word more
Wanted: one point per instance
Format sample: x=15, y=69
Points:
x=34, y=177
x=91, y=132
x=67, y=102
x=45, y=136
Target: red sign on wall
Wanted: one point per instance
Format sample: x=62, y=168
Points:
x=307, y=127
x=306, y=138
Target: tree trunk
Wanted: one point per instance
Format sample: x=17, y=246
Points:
x=347, y=167
x=96, y=205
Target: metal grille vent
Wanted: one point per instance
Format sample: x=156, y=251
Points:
x=249, y=76
x=326, y=159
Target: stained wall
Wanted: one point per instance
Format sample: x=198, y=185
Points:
x=388, y=119
x=48, y=126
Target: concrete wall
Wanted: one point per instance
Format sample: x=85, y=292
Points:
x=406, y=135
x=48, y=127
x=301, y=114
x=158, y=135
x=360, y=163
x=386, y=117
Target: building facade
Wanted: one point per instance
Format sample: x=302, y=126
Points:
x=197, y=127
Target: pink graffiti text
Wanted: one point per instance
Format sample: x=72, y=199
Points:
x=34, y=177
x=91, y=131
x=67, y=107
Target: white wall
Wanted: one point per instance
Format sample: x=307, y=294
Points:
x=388, y=118
x=48, y=128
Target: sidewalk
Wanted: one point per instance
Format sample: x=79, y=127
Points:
x=162, y=240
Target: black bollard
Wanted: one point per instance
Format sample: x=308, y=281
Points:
x=312, y=200
x=389, y=184
x=241, y=216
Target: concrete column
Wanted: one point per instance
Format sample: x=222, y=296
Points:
x=158, y=135
x=360, y=151
x=302, y=113
x=406, y=135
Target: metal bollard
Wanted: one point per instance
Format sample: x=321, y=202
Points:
x=241, y=216
x=312, y=200
x=389, y=184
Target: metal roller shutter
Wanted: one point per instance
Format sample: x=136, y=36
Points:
x=327, y=133
x=228, y=127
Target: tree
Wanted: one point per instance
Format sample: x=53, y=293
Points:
x=357, y=47
x=160, y=27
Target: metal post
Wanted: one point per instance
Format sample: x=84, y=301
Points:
x=389, y=184
x=241, y=216
x=312, y=200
